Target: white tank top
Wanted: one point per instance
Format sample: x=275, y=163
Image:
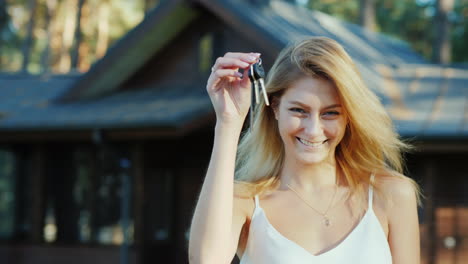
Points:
x=365, y=244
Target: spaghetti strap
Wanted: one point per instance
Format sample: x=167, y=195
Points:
x=371, y=191
x=256, y=201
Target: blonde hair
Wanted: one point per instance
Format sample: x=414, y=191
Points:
x=370, y=144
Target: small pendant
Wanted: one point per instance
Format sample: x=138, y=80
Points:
x=327, y=221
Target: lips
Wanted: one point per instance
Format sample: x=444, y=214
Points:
x=310, y=143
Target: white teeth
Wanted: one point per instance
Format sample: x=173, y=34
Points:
x=308, y=143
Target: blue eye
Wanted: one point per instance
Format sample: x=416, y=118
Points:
x=331, y=113
x=298, y=110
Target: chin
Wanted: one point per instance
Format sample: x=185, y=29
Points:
x=312, y=160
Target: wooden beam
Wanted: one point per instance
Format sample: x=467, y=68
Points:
x=38, y=179
x=446, y=146
x=137, y=157
x=430, y=237
x=113, y=134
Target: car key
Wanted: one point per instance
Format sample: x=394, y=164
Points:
x=256, y=76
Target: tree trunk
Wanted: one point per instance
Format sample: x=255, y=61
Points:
x=67, y=36
x=103, y=29
x=51, y=6
x=78, y=35
x=4, y=18
x=367, y=14
x=26, y=50
x=442, y=44
x=84, y=49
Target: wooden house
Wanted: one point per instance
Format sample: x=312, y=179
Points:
x=106, y=166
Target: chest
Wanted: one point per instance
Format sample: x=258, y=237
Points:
x=366, y=245
x=306, y=228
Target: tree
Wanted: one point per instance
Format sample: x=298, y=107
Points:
x=347, y=10
x=149, y=5
x=408, y=20
x=78, y=36
x=3, y=14
x=103, y=29
x=4, y=19
x=442, y=44
x=459, y=29
x=27, y=45
x=51, y=6
x=367, y=14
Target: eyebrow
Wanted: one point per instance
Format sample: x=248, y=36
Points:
x=304, y=105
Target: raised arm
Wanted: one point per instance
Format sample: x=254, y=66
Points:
x=217, y=223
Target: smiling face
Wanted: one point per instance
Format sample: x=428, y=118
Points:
x=311, y=121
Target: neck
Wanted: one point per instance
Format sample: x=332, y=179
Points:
x=309, y=178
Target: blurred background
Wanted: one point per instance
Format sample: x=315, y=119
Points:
x=106, y=129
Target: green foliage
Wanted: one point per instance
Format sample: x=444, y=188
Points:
x=408, y=20
x=123, y=16
x=344, y=9
x=460, y=32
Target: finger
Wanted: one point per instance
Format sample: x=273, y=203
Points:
x=223, y=62
x=251, y=57
x=221, y=73
x=217, y=75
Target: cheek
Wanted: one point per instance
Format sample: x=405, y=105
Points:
x=288, y=124
x=337, y=129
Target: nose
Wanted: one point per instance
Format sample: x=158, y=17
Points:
x=312, y=126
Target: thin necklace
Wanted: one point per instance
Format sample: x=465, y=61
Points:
x=326, y=218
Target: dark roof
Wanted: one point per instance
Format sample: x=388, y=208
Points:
x=427, y=100
x=26, y=103
x=424, y=100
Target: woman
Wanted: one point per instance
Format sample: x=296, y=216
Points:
x=318, y=176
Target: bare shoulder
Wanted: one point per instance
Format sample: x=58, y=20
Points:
x=403, y=224
x=398, y=189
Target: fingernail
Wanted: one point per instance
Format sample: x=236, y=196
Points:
x=257, y=54
x=251, y=58
x=239, y=74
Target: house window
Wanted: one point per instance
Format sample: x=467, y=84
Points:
x=162, y=194
x=113, y=198
x=91, y=204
